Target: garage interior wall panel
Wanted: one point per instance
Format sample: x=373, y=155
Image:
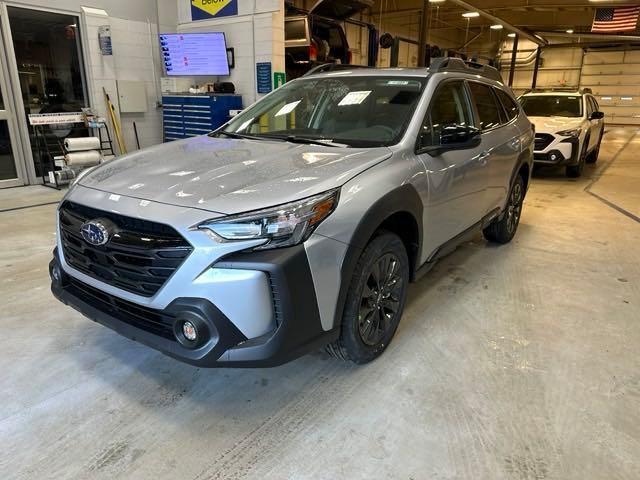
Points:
x=613, y=76
x=132, y=41
x=256, y=34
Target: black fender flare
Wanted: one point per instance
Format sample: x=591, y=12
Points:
x=402, y=199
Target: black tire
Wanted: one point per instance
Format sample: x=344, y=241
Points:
x=593, y=156
x=575, y=171
x=503, y=229
x=375, y=300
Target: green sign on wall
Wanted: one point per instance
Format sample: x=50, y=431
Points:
x=279, y=79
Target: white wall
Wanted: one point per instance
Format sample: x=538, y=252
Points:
x=256, y=34
x=135, y=57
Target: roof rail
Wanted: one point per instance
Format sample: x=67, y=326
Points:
x=559, y=89
x=332, y=67
x=452, y=64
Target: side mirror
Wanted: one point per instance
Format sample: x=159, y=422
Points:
x=454, y=137
x=597, y=116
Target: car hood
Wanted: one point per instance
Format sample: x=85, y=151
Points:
x=231, y=175
x=554, y=124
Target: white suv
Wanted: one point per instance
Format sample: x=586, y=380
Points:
x=569, y=128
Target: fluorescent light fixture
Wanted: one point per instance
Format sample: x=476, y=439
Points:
x=436, y=1
x=497, y=26
x=605, y=98
x=626, y=98
x=511, y=35
x=470, y=14
x=570, y=31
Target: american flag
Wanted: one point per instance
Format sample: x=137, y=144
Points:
x=619, y=19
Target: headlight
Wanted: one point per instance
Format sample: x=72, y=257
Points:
x=574, y=133
x=280, y=226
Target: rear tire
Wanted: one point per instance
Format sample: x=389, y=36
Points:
x=375, y=300
x=502, y=230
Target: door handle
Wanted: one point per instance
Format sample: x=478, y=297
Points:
x=515, y=144
x=483, y=158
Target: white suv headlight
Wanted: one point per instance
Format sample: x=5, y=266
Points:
x=574, y=133
x=281, y=226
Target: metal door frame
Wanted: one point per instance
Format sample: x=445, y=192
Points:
x=9, y=114
x=8, y=55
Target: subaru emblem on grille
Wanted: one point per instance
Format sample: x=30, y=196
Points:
x=94, y=232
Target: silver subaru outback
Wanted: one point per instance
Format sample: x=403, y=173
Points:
x=299, y=223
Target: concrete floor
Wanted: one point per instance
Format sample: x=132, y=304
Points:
x=514, y=362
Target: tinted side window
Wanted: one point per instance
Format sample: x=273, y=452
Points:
x=485, y=102
x=448, y=107
x=589, y=106
x=509, y=104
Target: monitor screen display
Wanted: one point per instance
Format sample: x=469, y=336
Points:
x=191, y=54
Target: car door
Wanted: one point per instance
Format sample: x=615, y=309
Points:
x=507, y=146
x=457, y=177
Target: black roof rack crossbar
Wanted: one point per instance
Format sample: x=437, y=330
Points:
x=332, y=67
x=452, y=64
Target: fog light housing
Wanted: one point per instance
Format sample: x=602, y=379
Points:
x=189, y=331
x=553, y=157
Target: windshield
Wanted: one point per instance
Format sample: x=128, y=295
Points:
x=552, y=106
x=352, y=111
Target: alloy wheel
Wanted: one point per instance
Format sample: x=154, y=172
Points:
x=514, y=209
x=380, y=300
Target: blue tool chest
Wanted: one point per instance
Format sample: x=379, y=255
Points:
x=186, y=116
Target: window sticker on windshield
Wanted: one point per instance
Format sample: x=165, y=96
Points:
x=355, y=98
x=288, y=108
x=398, y=82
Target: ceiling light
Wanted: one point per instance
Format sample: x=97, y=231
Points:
x=436, y=1
x=497, y=26
x=570, y=31
x=470, y=14
x=511, y=35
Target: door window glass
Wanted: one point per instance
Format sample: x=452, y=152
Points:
x=47, y=48
x=509, y=104
x=485, y=101
x=7, y=162
x=449, y=107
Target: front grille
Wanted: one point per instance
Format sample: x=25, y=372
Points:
x=139, y=258
x=542, y=141
x=144, y=318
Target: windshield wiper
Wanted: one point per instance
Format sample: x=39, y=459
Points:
x=327, y=142
x=238, y=135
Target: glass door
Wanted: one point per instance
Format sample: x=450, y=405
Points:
x=10, y=159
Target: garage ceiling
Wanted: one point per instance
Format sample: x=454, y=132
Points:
x=542, y=16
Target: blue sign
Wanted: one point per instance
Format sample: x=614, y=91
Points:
x=205, y=9
x=263, y=77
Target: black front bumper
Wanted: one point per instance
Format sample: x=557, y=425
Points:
x=298, y=331
x=556, y=158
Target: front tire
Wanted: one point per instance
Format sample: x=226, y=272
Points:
x=575, y=171
x=593, y=156
x=375, y=300
x=502, y=230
